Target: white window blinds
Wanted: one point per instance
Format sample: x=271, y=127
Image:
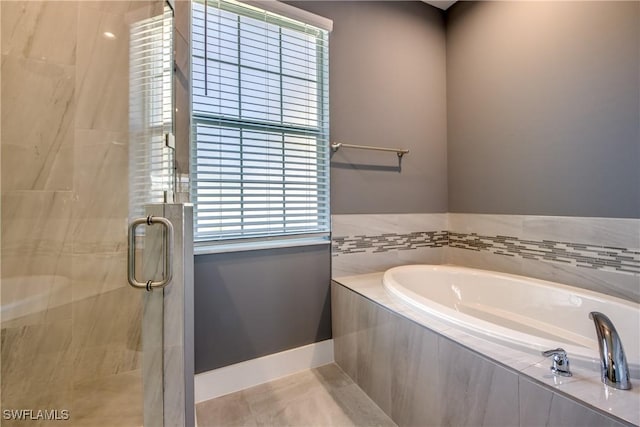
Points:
x=151, y=166
x=260, y=124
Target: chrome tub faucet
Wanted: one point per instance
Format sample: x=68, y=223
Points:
x=560, y=362
x=613, y=363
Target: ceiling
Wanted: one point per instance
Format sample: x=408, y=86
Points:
x=440, y=4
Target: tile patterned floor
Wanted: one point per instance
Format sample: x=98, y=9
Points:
x=324, y=396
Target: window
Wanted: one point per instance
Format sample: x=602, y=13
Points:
x=260, y=124
x=151, y=166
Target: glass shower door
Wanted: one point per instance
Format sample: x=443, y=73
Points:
x=86, y=107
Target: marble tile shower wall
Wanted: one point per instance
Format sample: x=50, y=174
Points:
x=601, y=254
x=70, y=323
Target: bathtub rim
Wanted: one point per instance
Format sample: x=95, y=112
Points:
x=584, y=387
x=586, y=356
x=546, y=283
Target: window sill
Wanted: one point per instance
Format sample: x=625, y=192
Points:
x=217, y=248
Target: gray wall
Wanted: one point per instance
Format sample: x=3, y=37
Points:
x=543, y=108
x=387, y=88
x=541, y=102
x=250, y=304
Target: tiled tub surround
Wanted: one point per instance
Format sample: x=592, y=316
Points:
x=389, y=242
x=369, y=243
x=577, y=254
x=600, y=254
x=421, y=371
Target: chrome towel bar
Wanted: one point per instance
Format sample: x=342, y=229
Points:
x=335, y=146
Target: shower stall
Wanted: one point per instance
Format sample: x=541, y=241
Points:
x=87, y=148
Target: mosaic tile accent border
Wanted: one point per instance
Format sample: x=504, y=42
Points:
x=388, y=242
x=608, y=258
x=580, y=255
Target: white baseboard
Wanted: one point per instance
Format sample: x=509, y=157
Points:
x=218, y=382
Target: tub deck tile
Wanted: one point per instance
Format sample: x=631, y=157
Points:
x=492, y=370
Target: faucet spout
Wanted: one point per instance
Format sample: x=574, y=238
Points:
x=615, y=371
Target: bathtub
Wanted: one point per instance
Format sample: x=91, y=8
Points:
x=519, y=312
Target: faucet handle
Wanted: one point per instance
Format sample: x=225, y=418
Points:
x=560, y=364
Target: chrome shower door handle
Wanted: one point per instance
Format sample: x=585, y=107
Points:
x=168, y=253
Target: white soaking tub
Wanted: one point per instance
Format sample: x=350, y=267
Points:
x=516, y=311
